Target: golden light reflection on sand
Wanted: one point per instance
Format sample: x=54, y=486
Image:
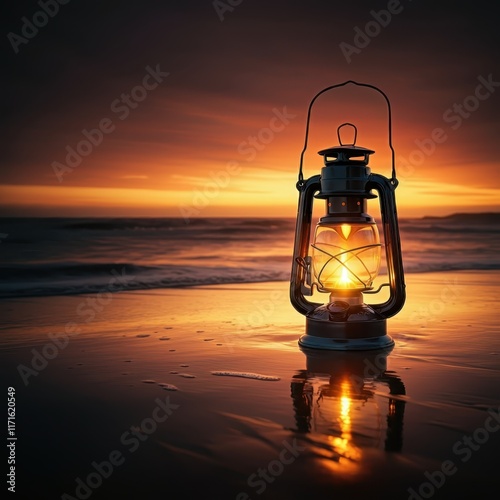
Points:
x=343, y=445
x=342, y=455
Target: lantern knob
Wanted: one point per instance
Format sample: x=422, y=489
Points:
x=347, y=124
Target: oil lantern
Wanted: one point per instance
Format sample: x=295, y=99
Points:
x=342, y=256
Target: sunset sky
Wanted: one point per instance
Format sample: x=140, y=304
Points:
x=198, y=108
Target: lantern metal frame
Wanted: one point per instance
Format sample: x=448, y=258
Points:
x=367, y=329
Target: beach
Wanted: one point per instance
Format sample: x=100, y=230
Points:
x=203, y=392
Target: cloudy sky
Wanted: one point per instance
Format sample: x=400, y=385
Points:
x=198, y=108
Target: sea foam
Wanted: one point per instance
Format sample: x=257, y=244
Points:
x=256, y=376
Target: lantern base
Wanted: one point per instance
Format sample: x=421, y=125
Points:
x=345, y=335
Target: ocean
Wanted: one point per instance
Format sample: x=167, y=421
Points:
x=62, y=256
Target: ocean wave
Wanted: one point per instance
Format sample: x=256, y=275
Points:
x=461, y=230
x=130, y=278
x=68, y=270
x=416, y=268
x=222, y=225
x=85, y=256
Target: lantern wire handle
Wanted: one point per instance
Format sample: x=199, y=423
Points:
x=393, y=179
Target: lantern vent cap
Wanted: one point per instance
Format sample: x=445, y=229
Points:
x=346, y=153
x=347, y=150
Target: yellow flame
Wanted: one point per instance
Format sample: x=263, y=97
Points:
x=345, y=279
x=344, y=274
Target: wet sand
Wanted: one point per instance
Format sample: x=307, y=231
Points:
x=204, y=393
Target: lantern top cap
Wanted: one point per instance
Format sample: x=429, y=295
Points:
x=346, y=152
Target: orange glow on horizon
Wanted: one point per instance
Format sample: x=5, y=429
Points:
x=227, y=179
x=243, y=196
x=216, y=163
